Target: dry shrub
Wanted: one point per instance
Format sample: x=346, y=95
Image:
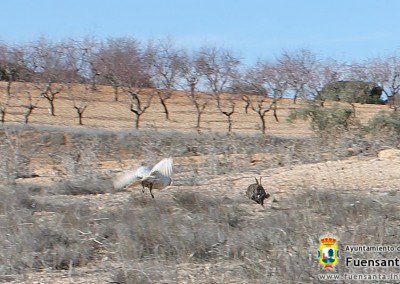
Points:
x=276, y=246
x=161, y=240
x=82, y=186
x=30, y=243
x=189, y=236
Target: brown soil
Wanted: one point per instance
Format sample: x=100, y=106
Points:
x=369, y=175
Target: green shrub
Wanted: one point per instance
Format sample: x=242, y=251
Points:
x=385, y=124
x=325, y=120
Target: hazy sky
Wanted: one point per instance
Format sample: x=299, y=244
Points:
x=341, y=29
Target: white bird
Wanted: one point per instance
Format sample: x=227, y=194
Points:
x=158, y=177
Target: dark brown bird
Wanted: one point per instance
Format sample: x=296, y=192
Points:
x=257, y=193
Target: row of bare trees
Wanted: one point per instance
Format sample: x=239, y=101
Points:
x=206, y=74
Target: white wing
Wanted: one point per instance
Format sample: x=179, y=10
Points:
x=160, y=174
x=163, y=167
x=142, y=172
x=130, y=177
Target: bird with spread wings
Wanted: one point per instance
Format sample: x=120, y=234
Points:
x=158, y=177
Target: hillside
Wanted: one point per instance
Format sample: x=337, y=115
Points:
x=103, y=112
x=62, y=222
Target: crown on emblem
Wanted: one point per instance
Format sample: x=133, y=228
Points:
x=328, y=241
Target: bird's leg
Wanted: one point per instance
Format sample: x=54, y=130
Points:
x=142, y=188
x=151, y=186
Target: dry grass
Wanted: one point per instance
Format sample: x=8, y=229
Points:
x=169, y=240
x=61, y=221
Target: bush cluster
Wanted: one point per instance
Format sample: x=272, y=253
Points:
x=326, y=120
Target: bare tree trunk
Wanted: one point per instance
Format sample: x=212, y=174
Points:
x=3, y=110
x=137, y=108
x=275, y=112
x=28, y=113
x=3, y=116
x=137, y=117
x=163, y=103
x=137, y=121
x=52, y=107
x=80, y=116
x=165, y=108
x=50, y=95
x=163, y=100
x=29, y=106
x=247, y=101
x=198, y=120
x=93, y=83
x=229, y=117
x=227, y=113
x=229, y=123
x=116, y=94
x=263, y=124
x=8, y=88
x=200, y=107
x=80, y=111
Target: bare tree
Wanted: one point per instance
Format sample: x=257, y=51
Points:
x=385, y=72
x=163, y=96
x=166, y=64
x=50, y=95
x=249, y=83
x=72, y=62
x=200, y=101
x=254, y=87
x=137, y=106
x=90, y=59
x=190, y=76
x=275, y=84
x=120, y=62
x=28, y=102
x=219, y=68
x=128, y=66
x=262, y=105
x=13, y=65
x=80, y=102
x=326, y=73
x=136, y=80
x=50, y=69
x=7, y=68
x=391, y=82
x=80, y=107
x=298, y=68
x=227, y=107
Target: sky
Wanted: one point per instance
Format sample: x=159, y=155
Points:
x=345, y=30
